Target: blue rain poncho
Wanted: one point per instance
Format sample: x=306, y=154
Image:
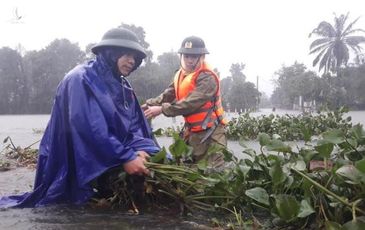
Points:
x=96, y=124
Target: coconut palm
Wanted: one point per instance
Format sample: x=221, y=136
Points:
x=335, y=41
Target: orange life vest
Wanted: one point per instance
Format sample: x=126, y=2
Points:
x=211, y=113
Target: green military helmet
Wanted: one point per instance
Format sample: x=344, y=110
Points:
x=193, y=45
x=120, y=37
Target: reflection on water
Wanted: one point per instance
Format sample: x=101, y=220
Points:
x=23, y=129
x=78, y=218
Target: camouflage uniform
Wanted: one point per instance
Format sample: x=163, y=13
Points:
x=206, y=87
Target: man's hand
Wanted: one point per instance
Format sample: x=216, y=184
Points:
x=137, y=166
x=143, y=155
x=152, y=111
x=144, y=107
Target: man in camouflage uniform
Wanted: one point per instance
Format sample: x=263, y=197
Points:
x=194, y=94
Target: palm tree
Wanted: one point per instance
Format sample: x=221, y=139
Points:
x=333, y=46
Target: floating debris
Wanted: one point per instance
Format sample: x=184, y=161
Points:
x=25, y=157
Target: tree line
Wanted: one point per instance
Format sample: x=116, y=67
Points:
x=327, y=91
x=29, y=81
x=341, y=82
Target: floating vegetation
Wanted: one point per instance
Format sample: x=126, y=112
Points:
x=38, y=131
x=4, y=165
x=168, y=132
x=274, y=188
x=24, y=156
x=288, y=127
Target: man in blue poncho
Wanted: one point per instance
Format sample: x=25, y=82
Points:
x=96, y=125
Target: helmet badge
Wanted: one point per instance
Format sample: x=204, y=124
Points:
x=188, y=45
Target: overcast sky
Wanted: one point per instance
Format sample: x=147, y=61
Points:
x=262, y=34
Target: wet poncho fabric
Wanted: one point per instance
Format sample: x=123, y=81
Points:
x=96, y=124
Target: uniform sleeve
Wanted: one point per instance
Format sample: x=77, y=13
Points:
x=206, y=87
x=168, y=96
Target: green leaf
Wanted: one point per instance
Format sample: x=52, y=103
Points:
x=358, y=131
x=357, y=224
x=193, y=176
x=242, y=142
x=289, y=181
x=160, y=156
x=228, y=156
x=202, y=164
x=276, y=136
x=298, y=165
x=324, y=149
x=352, y=173
x=271, y=158
x=277, y=174
x=258, y=194
x=353, y=155
x=360, y=165
x=287, y=207
x=335, y=136
x=305, y=209
x=352, y=142
x=264, y=139
x=307, y=154
x=248, y=162
x=278, y=146
x=333, y=226
x=244, y=169
x=307, y=134
x=158, y=132
x=179, y=147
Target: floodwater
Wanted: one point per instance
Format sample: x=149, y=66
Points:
x=26, y=130
x=81, y=218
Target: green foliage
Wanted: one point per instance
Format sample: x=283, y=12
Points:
x=153, y=78
x=278, y=181
x=28, y=82
x=294, y=81
x=14, y=84
x=180, y=150
x=258, y=194
x=238, y=94
x=335, y=42
x=288, y=127
x=328, y=91
x=46, y=68
x=286, y=207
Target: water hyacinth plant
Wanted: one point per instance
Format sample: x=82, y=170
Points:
x=274, y=186
x=288, y=127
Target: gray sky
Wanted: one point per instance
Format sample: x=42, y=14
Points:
x=262, y=34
